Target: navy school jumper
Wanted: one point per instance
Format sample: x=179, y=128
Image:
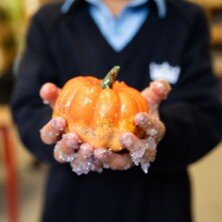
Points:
x=61, y=46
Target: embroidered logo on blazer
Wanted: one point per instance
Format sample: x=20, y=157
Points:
x=164, y=71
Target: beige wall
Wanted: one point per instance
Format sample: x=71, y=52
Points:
x=206, y=177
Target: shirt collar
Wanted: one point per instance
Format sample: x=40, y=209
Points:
x=133, y=3
x=160, y=4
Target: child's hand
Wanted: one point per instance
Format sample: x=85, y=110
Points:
x=69, y=147
x=143, y=151
x=84, y=158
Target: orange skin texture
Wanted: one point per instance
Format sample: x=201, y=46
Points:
x=100, y=116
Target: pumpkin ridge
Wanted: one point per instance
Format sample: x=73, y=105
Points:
x=142, y=102
x=94, y=110
x=142, y=107
x=104, y=94
x=105, y=122
x=118, y=103
x=70, y=96
x=127, y=111
x=82, y=101
x=115, y=136
x=92, y=80
x=134, y=99
x=135, y=96
x=64, y=97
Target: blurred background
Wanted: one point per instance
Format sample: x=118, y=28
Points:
x=22, y=177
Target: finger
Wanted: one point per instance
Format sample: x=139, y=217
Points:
x=136, y=146
x=120, y=161
x=150, y=153
x=49, y=93
x=141, y=150
x=52, y=131
x=71, y=142
x=62, y=153
x=102, y=153
x=64, y=149
x=161, y=130
x=157, y=91
x=129, y=141
x=85, y=161
x=152, y=125
x=113, y=160
x=85, y=152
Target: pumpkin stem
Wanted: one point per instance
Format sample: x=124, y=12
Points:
x=110, y=78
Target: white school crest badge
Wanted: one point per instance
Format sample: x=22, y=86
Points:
x=164, y=71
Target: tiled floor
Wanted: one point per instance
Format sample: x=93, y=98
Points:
x=206, y=184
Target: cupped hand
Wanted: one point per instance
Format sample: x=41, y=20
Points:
x=84, y=158
x=143, y=151
x=69, y=147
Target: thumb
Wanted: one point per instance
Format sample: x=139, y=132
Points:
x=49, y=93
x=155, y=93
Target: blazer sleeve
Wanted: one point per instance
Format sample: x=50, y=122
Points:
x=36, y=68
x=193, y=115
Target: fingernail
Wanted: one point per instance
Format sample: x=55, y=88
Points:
x=101, y=153
x=127, y=140
x=48, y=136
x=58, y=123
x=71, y=140
x=142, y=120
x=160, y=87
x=62, y=157
x=87, y=150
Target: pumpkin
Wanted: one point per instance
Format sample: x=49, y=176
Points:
x=99, y=111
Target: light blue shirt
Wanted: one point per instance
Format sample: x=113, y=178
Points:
x=119, y=31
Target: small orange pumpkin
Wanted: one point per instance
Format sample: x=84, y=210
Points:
x=99, y=111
